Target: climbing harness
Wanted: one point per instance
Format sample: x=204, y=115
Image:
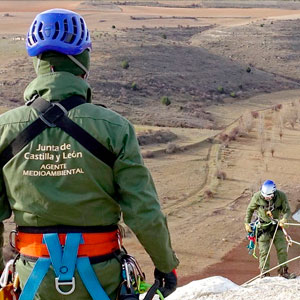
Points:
x=67, y=251
x=66, y=248
x=55, y=115
x=96, y=244
x=64, y=261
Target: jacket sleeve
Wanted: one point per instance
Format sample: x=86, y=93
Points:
x=286, y=211
x=250, y=209
x=5, y=213
x=139, y=203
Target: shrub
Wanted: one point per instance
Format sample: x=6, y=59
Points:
x=262, y=148
x=164, y=36
x=148, y=154
x=233, y=134
x=223, y=137
x=113, y=26
x=125, y=64
x=209, y=193
x=235, y=131
x=134, y=86
x=220, y=89
x=233, y=94
x=221, y=175
x=248, y=70
x=272, y=151
x=277, y=107
x=254, y=114
x=171, y=148
x=165, y=100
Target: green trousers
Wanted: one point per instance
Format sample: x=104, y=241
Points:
x=108, y=273
x=280, y=245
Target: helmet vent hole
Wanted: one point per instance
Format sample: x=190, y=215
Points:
x=75, y=30
x=63, y=38
x=33, y=26
x=82, y=32
x=40, y=33
x=34, y=38
x=74, y=25
x=56, y=31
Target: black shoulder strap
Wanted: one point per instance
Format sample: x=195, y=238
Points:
x=55, y=115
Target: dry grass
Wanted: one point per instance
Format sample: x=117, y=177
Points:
x=290, y=114
x=148, y=154
x=171, y=148
x=246, y=123
x=3, y=109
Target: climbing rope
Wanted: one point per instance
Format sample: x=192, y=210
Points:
x=292, y=224
x=270, y=247
x=258, y=276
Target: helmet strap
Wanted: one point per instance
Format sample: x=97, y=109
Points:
x=39, y=57
x=80, y=65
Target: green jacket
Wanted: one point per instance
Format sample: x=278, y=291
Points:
x=279, y=207
x=56, y=181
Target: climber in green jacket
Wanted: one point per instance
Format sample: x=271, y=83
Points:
x=271, y=206
x=55, y=183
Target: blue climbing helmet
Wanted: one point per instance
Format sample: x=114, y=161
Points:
x=59, y=30
x=268, y=189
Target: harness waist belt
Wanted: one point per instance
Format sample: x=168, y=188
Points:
x=93, y=244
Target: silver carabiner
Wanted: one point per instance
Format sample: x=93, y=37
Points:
x=128, y=281
x=12, y=238
x=58, y=284
x=119, y=239
x=136, y=268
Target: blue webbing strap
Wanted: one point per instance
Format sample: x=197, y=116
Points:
x=35, y=279
x=63, y=262
x=90, y=279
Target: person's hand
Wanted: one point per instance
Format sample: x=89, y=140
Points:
x=167, y=281
x=269, y=214
x=248, y=227
x=282, y=222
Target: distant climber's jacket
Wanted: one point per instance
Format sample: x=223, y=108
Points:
x=278, y=206
x=54, y=180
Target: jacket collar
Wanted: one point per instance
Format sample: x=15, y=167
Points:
x=57, y=86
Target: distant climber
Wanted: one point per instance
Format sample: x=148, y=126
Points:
x=272, y=207
x=69, y=171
